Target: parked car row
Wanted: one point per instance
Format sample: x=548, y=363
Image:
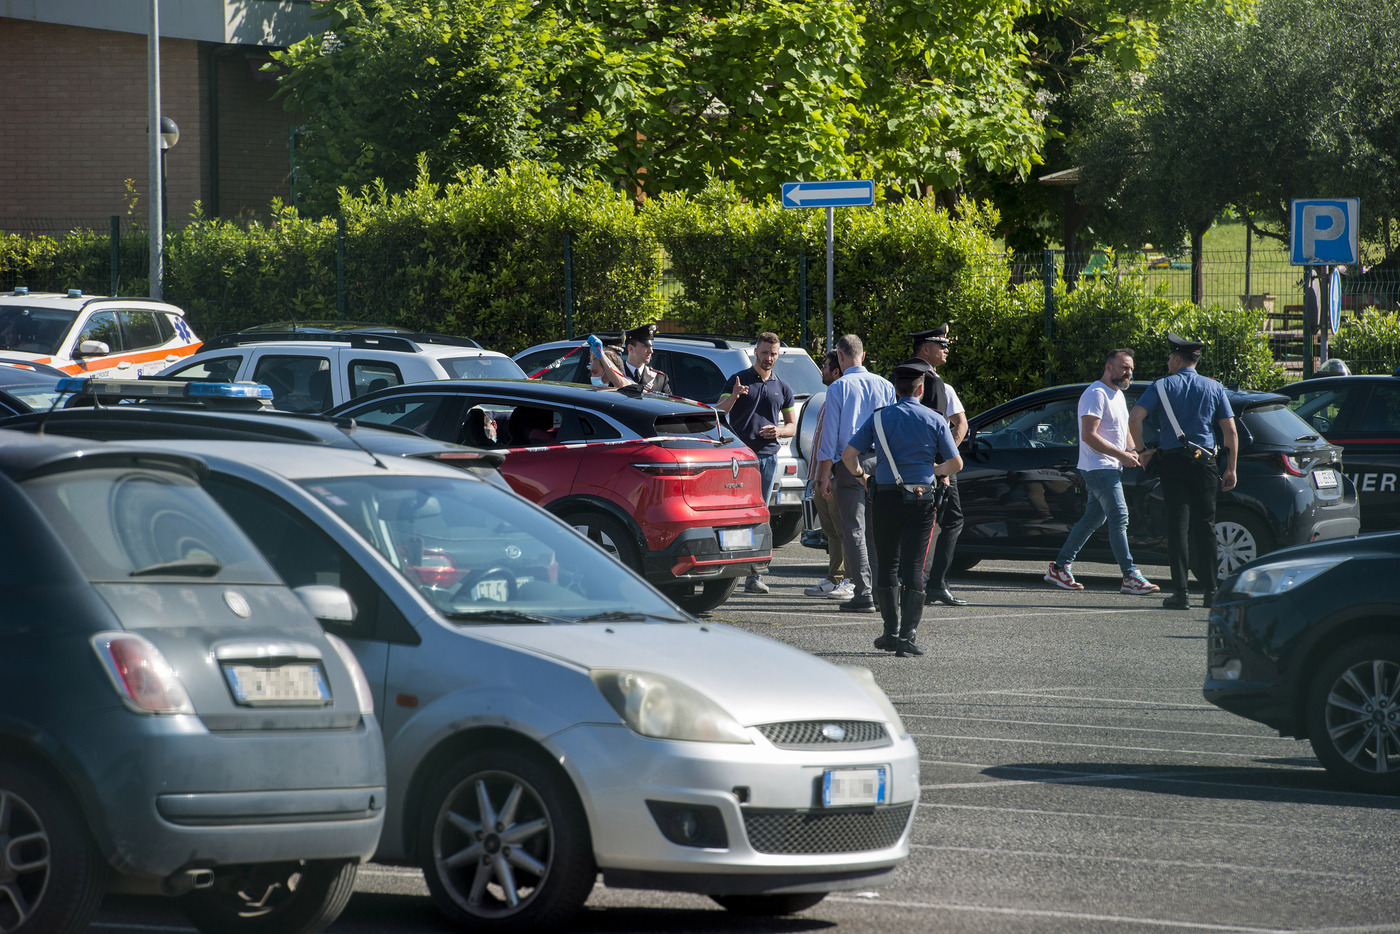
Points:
x=545, y=714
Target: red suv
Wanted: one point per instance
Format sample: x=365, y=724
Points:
x=656, y=481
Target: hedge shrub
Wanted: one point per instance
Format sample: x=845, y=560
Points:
x=1369, y=342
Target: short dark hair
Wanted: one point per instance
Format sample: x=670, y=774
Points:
x=833, y=359
x=768, y=337
x=907, y=385
x=1126, y=351
x=1189, y=357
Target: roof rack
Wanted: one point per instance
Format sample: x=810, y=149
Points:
x=369, y=339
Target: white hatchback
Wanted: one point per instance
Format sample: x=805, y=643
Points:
x=88, y=335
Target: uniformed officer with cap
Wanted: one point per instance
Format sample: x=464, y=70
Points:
x=1189, y=465
x=916, y=437
x=635, y=367
x=931, y=348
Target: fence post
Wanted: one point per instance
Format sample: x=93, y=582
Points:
x=116, y=242
x=802, y=296
x=340, y=266
x=568, y=286
x=1047, y=275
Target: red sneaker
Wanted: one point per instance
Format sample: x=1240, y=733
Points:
x=1061, y=577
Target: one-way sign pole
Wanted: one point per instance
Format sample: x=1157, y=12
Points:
x=829, y=195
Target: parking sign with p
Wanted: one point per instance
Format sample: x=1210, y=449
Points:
x=1324, y=231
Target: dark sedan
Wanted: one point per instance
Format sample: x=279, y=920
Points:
x=27, y=387
x=1362, y=415
x=1307, y=641
x=1022, y=493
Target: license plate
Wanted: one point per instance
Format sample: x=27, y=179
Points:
x=1325, y=478
x=732, y=539
x=495, y=590
x=853, y=786
x=789, y=497
x=284, y=685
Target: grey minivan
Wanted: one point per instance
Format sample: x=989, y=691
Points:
x=172, y=718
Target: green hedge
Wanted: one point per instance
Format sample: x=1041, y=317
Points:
x=1369, y=341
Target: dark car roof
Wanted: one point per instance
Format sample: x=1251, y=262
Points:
x=1240, y=399
x=41, y=374
x=1323, y=382
x=22, y=454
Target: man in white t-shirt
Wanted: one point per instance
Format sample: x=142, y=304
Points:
x=1105, y=448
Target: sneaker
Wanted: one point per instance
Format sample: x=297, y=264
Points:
x=821, y=588
x=844, y=590
x=1136, y=583
x=755, y=584
x=1061, y=577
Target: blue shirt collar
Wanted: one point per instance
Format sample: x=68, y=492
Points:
x=854, y=369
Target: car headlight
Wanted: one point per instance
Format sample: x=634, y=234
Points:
x=866, y=679
x=1268, y=580
x=655, y=705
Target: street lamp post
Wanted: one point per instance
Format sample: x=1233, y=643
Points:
x=169, y=136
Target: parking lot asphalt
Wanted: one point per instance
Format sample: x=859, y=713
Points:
x=1073, y=780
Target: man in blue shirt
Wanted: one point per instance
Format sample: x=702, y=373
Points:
x=1189, y=463
x=909, y=439
x=850, y=401
x=760, y=409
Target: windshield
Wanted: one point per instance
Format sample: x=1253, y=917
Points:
x=39, y=395
x=34, y=330
x=1277, y=424
x=483, y=367
x=480, y=554
x=799, y=372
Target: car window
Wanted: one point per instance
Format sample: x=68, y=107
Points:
x=475, y=550
x=1382, y=412
x=1054, y=424
x=368, y=376
x=413, y=412
x=139, y=328
x=1274, y=424
x=103, y=327
x=215, y=369
x=695, y=377
x=565, y=372
x=1322, y=408
x=34, y=330
x=299, y=384
x=486, y=366
x=799, y=372
x=135, y=525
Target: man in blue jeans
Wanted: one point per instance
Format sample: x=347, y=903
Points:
x=1105, y=448
x=761, y=412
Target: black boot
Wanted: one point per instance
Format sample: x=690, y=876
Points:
x=887, y=599
x=911, y=610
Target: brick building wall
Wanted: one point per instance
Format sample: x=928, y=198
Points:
x=73, y=119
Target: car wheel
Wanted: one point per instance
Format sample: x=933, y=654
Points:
x=611, y=535
x=272, y=898
x=1353, y=714
x=711, y=594
x=1239, y=537
x=506, y=844
x=52, y=878
x=786, y=527
x=754, y=905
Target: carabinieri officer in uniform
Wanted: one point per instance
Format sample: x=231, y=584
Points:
x=900, y=531
x=1190, y=464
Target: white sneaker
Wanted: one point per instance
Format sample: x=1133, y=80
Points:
x=843, y=591
x=821, y=588
x=755, y=584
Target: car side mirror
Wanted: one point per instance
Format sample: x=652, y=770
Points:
x=327, y=603
x=93, y=349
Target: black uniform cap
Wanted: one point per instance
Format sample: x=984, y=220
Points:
x=1179, y=343
x=643, y=334
x=914, y=369
x=938, y=335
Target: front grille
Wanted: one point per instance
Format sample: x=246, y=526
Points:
x=808, y=734
x=847, y=830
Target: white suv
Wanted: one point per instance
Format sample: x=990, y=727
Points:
x=92, y=335
x=700, y=367
x=311, y=370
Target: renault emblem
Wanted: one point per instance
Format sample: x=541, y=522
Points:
x=833, y=732
x=513, y=552
x=734, y=467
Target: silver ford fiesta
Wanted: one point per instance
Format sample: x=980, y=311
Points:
x=548, y=716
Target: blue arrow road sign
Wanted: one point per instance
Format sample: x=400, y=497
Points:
x=1334, y=300
x=853, y=194
x=1324, y=231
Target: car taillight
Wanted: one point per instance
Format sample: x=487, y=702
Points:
x=363, y=694
x=1290, y=465
x=437, y=569
x=140, y=673
x=672, y=470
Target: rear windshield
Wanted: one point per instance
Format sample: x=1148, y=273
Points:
x=39, y=395
x=799, y=372
x=34, y=330
x=483, y=367
x=1277, y=424
x=125, y=524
